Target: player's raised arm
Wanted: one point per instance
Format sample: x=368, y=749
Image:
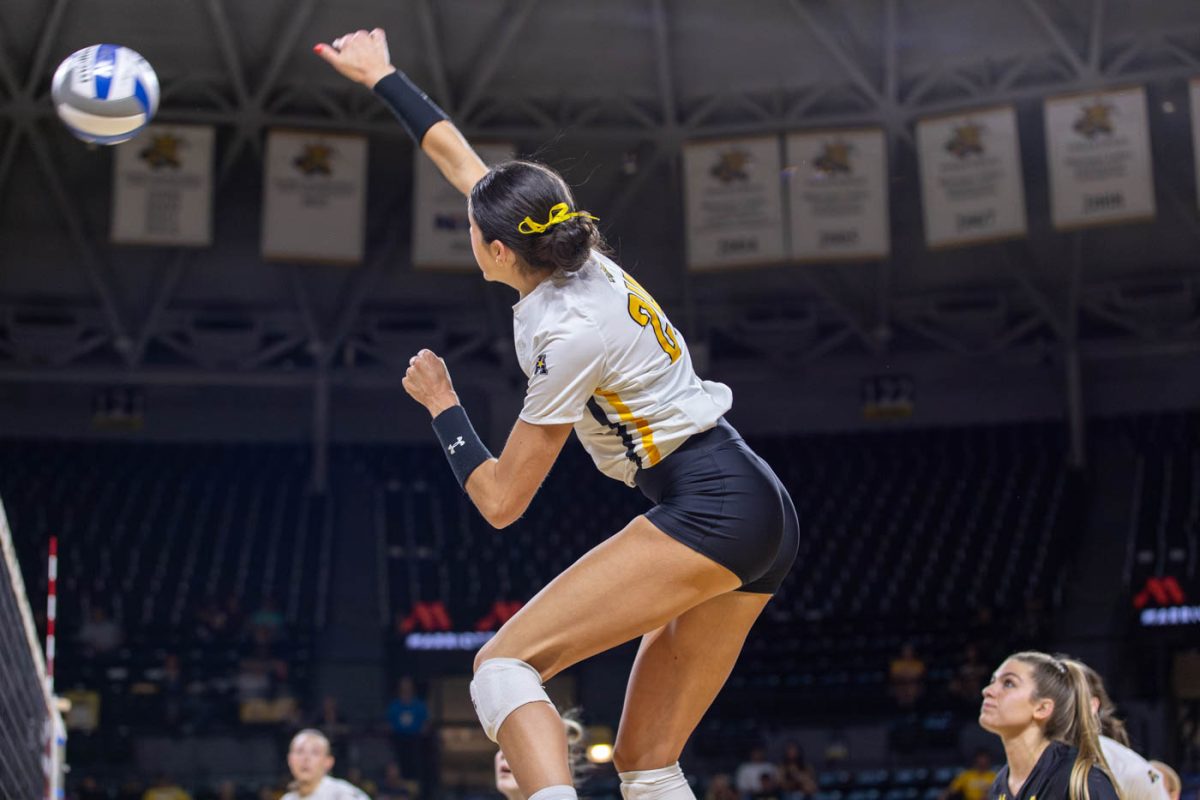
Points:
x=363, y=57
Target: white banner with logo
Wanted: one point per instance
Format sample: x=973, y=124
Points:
x=314, y=197
x=1195, y=97
x=839, y=194
x=971, y=182
x=734, y=202
x=1098, y=149
x=441, y=228
x=163, y=185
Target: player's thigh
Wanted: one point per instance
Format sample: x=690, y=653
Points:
x=679, y=670
x=633, y=582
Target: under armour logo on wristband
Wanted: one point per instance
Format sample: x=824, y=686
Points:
x=457, y=443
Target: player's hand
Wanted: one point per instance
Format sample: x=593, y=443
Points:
x=362, y=56
x=428, y=382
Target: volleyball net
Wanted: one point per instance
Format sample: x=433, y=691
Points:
x=32, y=735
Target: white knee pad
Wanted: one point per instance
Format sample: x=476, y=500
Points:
x=500, y=687
x=667, y=783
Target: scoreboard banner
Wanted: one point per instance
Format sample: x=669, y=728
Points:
x=1098, y=151
x=441, y=228
x=734, y=203
x=971, y=183
x=314, y=197
x=163, y=187
x=838, y=190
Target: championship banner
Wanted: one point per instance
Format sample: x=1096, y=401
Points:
x=314, y=197
x=441, y=228
x=734, y=203
x=839, y=194
x=163, y=185
x=1098, y=149
x=971, y=183
x=1195, y=98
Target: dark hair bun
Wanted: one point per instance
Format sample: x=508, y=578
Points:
x=565, y=246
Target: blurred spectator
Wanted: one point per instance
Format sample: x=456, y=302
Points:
x=969, y=678
x=266, y=624
x=100, y=635
x=165, y=789
x=768, y=788
x=973, y=782
x=797, y=778
x=408, y=717
x=720, y=788
x=394, y=786
x=227, y=790
x=330, y=720
x=750, y=773
x=906, y=676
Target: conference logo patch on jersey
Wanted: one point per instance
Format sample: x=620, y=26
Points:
x=539, y=366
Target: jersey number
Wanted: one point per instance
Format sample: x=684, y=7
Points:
x=645, y=311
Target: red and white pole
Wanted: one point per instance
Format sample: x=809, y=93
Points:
x=52, y=783
x=51, y=614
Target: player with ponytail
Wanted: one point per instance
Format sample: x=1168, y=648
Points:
x=1137, y=778
x=1040, y=707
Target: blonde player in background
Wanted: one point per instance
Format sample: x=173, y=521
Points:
x=692, y=574
x=1038, y=705
x=1137, y=778
x=310, y=759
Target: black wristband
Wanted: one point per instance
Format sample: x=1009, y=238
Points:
x=416, y=112
x=463, y=448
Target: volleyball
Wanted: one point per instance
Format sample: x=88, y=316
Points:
x=105, y=93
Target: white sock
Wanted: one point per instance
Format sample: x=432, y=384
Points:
x=667, y=783
x=555, y=793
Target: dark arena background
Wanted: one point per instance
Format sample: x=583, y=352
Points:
x=944, y=253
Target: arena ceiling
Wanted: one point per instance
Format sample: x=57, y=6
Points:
x=613, y=88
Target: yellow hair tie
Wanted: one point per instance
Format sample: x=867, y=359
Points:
x=558, y=213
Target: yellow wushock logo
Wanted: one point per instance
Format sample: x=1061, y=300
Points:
x=645, y=311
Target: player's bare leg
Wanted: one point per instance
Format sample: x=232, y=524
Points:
x=635, y=582
x=679, y=670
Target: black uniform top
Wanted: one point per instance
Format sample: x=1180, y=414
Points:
x=1051, y=779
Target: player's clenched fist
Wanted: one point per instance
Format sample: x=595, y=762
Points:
x=428, y=382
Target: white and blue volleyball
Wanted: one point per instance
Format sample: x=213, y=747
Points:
x=105, y=93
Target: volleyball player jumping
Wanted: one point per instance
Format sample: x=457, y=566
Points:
x=692, y=574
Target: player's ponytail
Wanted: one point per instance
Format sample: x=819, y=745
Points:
x=1087, y=733
x=1064, y=682
x=1110, y=725
x=530, y=208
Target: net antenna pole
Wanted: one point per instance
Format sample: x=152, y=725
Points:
x=53, y=773
x=33, y=737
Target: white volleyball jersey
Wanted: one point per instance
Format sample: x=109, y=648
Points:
x=600, y=353
x=1135, y=777
x=330, y=789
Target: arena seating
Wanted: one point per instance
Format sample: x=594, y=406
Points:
x=157, y=536
x=1165, y=539
x=907, y=536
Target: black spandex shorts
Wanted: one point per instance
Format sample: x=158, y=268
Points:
x=714, y=494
